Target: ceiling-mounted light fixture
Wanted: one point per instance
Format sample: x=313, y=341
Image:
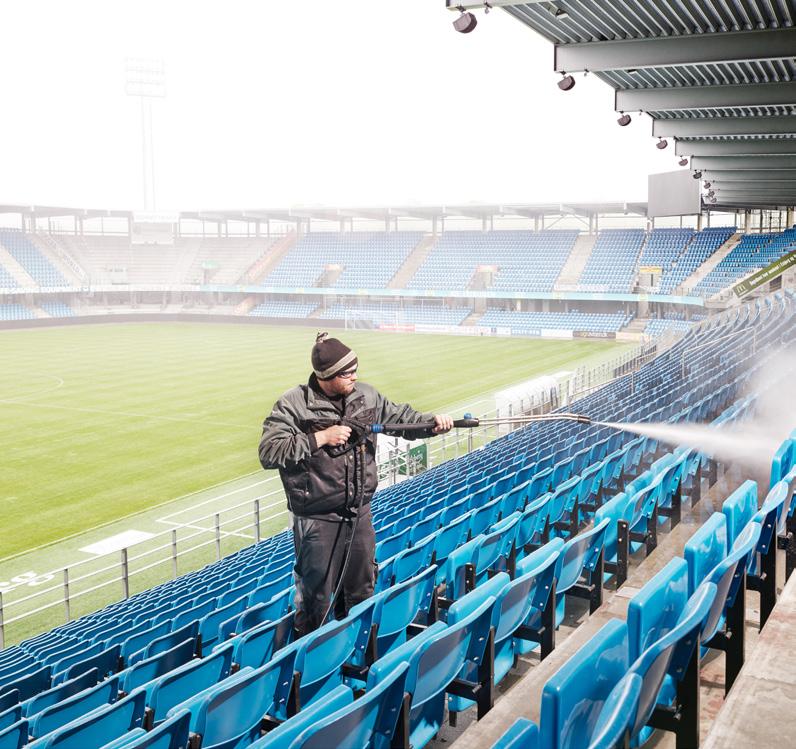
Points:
x=466, y=22
x=683, y=161
x=632, y=71
x=567, y=83
x=707, y=185
x=561, y=13
x=697, y=175
x=624, y=120
x=661, y=144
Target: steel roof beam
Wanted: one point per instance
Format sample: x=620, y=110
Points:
x=745, y=175
x=705, y=97
x=713, y=163
x=703, y=126
x=771, y=146
x=666, y=51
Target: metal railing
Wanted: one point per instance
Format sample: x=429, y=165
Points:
x=95, y=579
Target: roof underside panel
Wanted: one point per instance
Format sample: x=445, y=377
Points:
x=604, y=20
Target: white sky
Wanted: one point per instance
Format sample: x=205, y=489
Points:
x=272, y=104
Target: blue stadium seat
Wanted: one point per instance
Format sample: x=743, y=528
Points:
x=170, y=734
x=145, y=671
x=52, y=696
x=255, y=647
x=14, y=737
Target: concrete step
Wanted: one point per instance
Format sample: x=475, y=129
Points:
x=414, y=260
x=270, y=258
x=15, y=270
x=64, y=261
x=473, y=318
x=576, y=262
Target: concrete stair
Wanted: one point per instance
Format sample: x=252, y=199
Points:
x=637, y=325
x=15, y=270
x=576, y=262
x=246, y=306
x=473, y=318
x=270, y=258
x=709, y=264
x=415, y=259
x=38, y=311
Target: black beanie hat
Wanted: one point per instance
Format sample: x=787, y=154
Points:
x=330, y=357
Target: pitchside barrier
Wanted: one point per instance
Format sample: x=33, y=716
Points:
x=29, y=604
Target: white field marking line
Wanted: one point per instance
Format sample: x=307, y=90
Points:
x=133, y=415
x=131, y=515
x=21, y=398
x=165, y=518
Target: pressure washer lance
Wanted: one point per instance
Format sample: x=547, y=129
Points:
x=471, y=422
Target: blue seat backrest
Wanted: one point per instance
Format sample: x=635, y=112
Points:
x=15, y=736
x=739, y=509
x=172, y=733
x=185, y=681
x=141, y=639
x=705, y=549
x=74, y=707
x=235, y=711
x=9, y=699
x=398, y=606
x=256, y=647
x=578, y=554
x=29, y=684
x=166, y=642
x=106, y=662
x=614, y=510
x=670, y=653
x=100, y=726
x=322, y=653
x=574, y=696
x=158, y=665
x=368, y=721
x=655, y=609
x=61, y=692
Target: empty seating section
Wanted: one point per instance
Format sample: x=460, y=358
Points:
x=753, y=252
x=57, y=309
x=365, y=259
x=15, y=312
x=468, y=553
x=533, y=323
x=523, y=260
x=38, y=267
x=701, y=247
x=664, y=246
x=611, y=267
x=7, y=281
x=284, y=308
x=391, y=313
x=657, y=328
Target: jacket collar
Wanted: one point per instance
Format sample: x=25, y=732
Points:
x=317, y=399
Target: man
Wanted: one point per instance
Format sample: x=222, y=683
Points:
x=328, y=468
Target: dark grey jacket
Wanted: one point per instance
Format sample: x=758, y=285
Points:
x=323, y=480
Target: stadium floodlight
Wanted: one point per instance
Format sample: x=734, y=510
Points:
x=567, y=83
x=697, y=175
x=561, y=13
x=707, y=185
x=624, y=120
x=683, y=161
x=466, y=22
x=661, y=144
x=146, y=79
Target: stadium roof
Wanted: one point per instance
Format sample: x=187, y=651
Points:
x=718, y=76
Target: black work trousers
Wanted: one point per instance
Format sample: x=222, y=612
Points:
x=321, y=541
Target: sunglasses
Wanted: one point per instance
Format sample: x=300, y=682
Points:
x=348, y=374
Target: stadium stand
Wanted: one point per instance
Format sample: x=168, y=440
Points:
x=306, y=263
x=392, y=313
x=524, y=260
x=467, y=541
x=57, y=309
x=15, y=312
x=6, y=279
x=284, y=308
x=663, y=249
x=532, y=323
x=657, y=328
x=752, y=253
x=613, y=261
x=701, y=247
x=36, y=265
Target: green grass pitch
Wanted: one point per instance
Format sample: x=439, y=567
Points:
x=101, y=421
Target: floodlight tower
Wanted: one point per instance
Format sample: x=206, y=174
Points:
x=146, y=79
